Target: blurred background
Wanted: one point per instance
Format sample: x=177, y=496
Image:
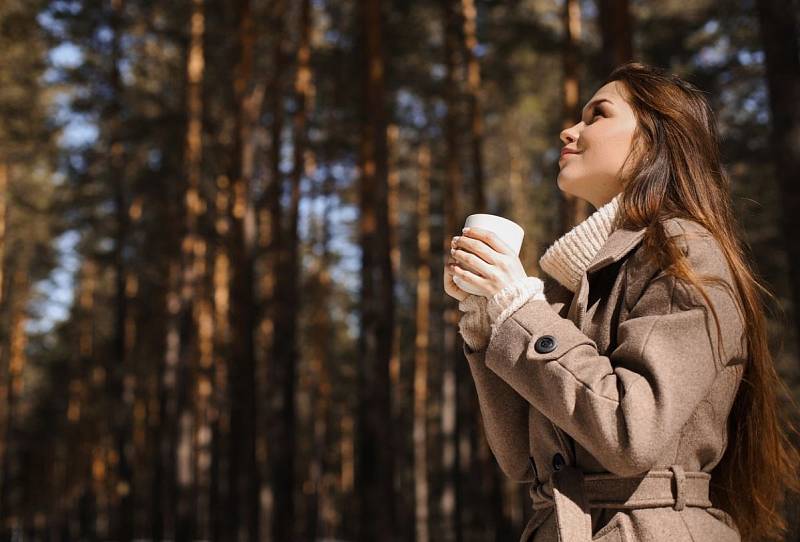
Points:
x=223, y=227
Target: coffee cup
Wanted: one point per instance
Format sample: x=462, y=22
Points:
x=507, y=230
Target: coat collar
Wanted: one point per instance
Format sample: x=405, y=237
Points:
x=619, y=243
x=617, y=246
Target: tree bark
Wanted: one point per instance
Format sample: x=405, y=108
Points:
x=453, y=364
x=421, y=348
x=780, y=36
x=245, y=479
x=273, y=240
x=120, y=376
x=615, y=27
x=375, y=468
x=473, y=78
x=192, y=270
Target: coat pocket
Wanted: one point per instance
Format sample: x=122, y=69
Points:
x=616, y=530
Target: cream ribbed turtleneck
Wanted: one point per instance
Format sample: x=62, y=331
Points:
x=565, y=260
x=571, y=253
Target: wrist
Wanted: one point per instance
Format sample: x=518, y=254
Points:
x=505, y=302
x=472, y=302
x=474, y=324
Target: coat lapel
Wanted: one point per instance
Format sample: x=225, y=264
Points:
x=619, y=243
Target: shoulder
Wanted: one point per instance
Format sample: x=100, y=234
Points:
x=686, y=230
x=695, y=241
x=701, y=251
x=689, y=235
x=705, y=256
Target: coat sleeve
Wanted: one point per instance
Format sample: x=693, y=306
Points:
x=557, y=295
x=622, y=407
x=505, y=418
x=503, y=410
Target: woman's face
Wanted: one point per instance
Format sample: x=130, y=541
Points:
x=603, y=139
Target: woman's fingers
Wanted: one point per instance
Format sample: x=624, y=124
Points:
x=463, y=275
x=489, y=238
x=477, y=247
x=450, y=287
x=475, y=255
x=472, y=262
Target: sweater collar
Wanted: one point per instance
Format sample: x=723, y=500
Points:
x=571, y=254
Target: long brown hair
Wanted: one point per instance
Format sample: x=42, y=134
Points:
x=675, y=170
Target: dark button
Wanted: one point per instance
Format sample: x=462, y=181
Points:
x=558, y=461
x=545, y=344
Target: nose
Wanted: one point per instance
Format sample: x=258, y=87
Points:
x=568, y=135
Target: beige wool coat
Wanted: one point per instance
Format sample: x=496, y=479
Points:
x=612, y=402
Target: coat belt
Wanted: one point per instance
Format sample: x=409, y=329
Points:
x=573, y=493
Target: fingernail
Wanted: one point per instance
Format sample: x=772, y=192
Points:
x=452, y=251
x=465, y=229
x=456, y=238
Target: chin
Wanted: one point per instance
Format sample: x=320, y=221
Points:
x=566, y=186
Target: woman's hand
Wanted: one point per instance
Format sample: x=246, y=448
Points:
x=484, y=262
x=449, y=286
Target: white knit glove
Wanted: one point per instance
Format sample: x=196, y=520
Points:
x=505, y=302
x=474, y=324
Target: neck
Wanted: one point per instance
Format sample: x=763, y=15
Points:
x=567, y=258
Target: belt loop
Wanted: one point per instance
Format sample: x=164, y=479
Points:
x=680, y=479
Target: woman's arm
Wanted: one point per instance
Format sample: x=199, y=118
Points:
x=623, y=407
x=558, y=295
x=504, y=411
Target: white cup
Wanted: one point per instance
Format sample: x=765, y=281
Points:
x=507, y=230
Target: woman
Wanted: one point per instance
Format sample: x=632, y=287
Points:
x=605, y=382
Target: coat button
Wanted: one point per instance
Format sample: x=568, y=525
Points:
x=558, y=461
x=545, y=344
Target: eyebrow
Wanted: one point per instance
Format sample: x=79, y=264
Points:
x=590, y=104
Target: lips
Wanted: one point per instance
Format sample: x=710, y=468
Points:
x=565, y=152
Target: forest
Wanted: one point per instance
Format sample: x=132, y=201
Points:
x=223, y=228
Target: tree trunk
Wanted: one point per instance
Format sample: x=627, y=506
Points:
x=15, y=347
x=220, y=493
x=780, y=36
x=375, y=469
x=473, y=78
x=245, y=479
x=421, y=349
x=573, y=209
x=453, y=363
x=120, y=376
x=5, y=415
x=615, y=27
x=193, y=253
x=272, y=218
x=3, y=219
x=320, y=506
x=80, y=390
x=285, y=353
